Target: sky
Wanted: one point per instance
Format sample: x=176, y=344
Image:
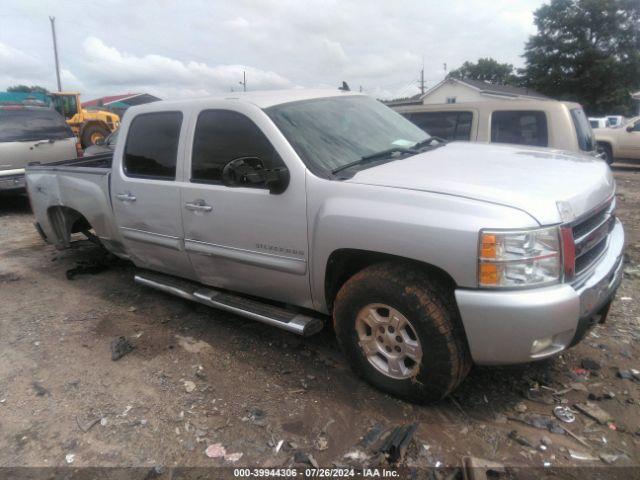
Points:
x=202, y=47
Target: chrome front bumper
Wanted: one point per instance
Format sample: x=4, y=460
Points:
x=506, y=327
x=12, y=182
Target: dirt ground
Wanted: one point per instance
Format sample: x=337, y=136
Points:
x=64, y=402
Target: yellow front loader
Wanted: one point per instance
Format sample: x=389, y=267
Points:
x=90, y=126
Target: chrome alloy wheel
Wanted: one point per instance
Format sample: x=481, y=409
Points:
x=389, y=341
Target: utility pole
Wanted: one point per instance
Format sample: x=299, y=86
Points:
x=422, y=81
x=55, y=50
x=445, y=68
x=244, y=81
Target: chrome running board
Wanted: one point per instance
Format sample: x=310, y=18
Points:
x=288, y=320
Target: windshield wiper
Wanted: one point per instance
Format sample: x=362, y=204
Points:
x=374, y=156
x=429, y=141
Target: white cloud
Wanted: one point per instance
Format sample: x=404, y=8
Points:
x=200, y=47
x=106, y=65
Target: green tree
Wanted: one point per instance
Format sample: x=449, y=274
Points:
x=486, y=70
x=586, y=51
x=27, y=89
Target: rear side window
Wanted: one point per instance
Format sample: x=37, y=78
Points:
x=447, y=125
x=152, y=145
x=586, y=141
x=29, y=124
x=222, y=136
x=520, y=127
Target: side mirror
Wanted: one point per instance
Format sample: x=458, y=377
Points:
x=251, y=172
x=630, y=128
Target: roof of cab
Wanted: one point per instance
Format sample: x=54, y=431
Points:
x=262, y=99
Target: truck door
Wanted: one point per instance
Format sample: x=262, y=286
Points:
x=145, y=192
x=244, y=238
x=629, y=140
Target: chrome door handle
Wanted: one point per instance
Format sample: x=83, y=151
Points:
x=198, y=206
x=126, y=197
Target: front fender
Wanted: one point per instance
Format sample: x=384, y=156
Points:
x=436, y=229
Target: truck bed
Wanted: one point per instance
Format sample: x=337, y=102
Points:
x=73, y=188
x=101, y=161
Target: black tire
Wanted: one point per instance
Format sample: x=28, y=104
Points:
x=90, y=131
x=433, y=315
x=607, y=152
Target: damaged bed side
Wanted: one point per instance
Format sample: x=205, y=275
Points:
x=68, y=188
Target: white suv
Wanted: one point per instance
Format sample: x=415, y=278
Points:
x=29, y=136
x=538, y=123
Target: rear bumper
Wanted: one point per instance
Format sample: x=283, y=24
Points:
x=509, y=327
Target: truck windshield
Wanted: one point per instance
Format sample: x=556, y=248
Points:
x=586, y=142
x=329, y=133
x=27, y=124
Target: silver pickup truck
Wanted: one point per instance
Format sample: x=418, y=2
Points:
x=297, y=207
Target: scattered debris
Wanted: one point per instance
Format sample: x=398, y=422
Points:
x=215, y=450
x=610, y=459
x=564, y=413
x=70, y=458
x=305, y=459
x=90, y=268
x=395, y=445
x=625, y=374
x=86, y=426
x=590, y=364
x=257, y=417
x=372, y=435
x=278, y=447
x=120, y=347
x=576, y=455
x=514, y=435
x=321, y=442
x=540, y=421
x=594, y=411
x=233, y=457
x=480, y=469
x=39, y=389
x=575, y=437
x=520, y=407
x=189, y=386
x=356, y=455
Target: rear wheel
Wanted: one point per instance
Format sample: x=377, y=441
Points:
x=401, y=332
x=91, y=134
x=606, y=152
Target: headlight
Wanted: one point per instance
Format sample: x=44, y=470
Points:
x=525, y=258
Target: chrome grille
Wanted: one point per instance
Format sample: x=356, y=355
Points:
x=590, y=236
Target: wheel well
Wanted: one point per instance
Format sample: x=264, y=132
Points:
x=345, y=263
x=605, y=143
x=66, y=221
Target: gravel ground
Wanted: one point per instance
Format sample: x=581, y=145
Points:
x=198, y=377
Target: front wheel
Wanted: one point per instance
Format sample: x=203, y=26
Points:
x=401, y=332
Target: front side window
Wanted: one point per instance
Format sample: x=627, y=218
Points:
x=222, y=136
x=329, y=133
x=520, y=127
x=447, y=125
x=29, y=124
x=152, y=145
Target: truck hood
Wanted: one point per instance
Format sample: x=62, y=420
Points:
x=530, y=179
